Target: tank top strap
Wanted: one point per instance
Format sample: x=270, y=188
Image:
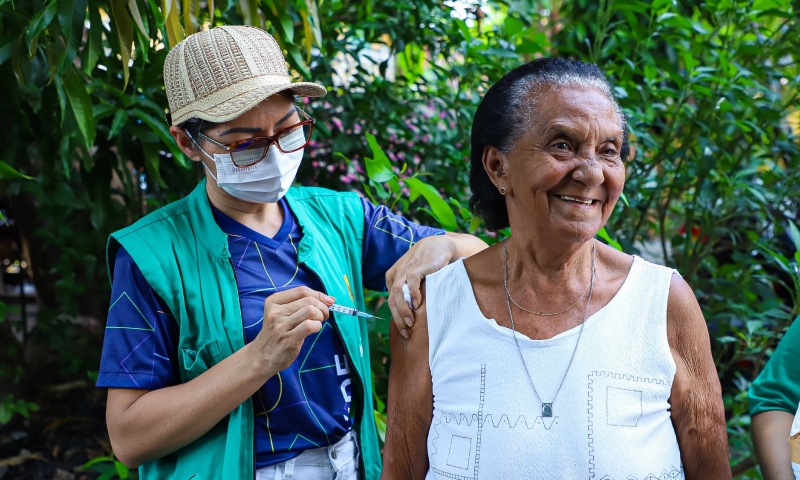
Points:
x=647, y=288
x=447, y=292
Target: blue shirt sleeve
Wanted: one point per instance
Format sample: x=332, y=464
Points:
x=141, y=338
x=387, y=237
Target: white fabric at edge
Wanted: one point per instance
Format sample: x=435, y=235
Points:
x=611, y=420
x=793, y=432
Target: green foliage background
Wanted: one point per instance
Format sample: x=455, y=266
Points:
x=710, y=89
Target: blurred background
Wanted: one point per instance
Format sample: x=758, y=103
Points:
x=713, y=188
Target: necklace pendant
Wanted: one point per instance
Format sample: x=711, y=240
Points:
x=547, y=409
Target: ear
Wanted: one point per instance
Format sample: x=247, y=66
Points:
x=495, y=163
x=185, y=143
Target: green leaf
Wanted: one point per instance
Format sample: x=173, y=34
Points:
x=190, y=8
x=439, y=208
x=249, y=11
x=157, y=15
x=462, y=25
x=108, y=474
x=137, y=18
x=152, y=161
x=624, y=199
x=71, y=16
x=122, y=470
x=172, y=22
x=160, y=128
x=474, y=223
x=6, y=49
x=311, y=26
x=117, y=123
x=296, y=55
x=80, y=103
x=380, y=423
x=513, y=26
x=38, y=23
x=603, y=233
x=5, y=414
x=778, y=258
x=124, y=29
x=753, y=325
x=94, y=44
x=795, y=234
x=8, y=172
x=97, y=460
x=769, y=4
x=379, y=169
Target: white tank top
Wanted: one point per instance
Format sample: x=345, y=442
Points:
x=611, y=420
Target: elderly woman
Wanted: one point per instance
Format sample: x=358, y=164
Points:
x=551, y=355
x=221, y=357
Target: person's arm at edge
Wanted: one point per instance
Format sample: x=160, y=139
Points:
x=144, y=425
x=698, y=414
x=773, y=398
x=465, y=245
x=410, y=404
x=770, y=431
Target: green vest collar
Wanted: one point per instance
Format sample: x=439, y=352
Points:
x=214, y=239
x=306, y=246
x=208, y=232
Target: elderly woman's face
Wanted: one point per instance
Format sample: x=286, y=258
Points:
x=565, y=172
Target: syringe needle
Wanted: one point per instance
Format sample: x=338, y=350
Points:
x=352, y=312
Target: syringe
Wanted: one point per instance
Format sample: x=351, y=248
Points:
x=352, y=311
x=357, y=313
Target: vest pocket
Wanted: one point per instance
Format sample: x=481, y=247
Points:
x=197, y=362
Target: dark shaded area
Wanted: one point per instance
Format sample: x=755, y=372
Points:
x=68, y=431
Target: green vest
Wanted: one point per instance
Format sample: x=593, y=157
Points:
x=184, y=256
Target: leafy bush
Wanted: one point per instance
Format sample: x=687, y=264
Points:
x=709, y=87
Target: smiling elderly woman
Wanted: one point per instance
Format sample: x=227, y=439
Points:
x=551, y=355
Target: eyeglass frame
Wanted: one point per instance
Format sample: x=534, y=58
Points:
x=271, y=139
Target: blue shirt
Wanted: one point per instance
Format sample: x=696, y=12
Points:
x=305, y=406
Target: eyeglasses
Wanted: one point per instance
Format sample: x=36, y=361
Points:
x=250, y=151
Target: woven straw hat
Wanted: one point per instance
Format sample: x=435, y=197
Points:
x=219, y=74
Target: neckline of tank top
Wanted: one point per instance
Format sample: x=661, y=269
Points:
x=563, y=336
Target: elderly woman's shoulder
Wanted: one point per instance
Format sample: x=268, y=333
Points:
x=485, y=267
x=681, y=298
x=621, y=262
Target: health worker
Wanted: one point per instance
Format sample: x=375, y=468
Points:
x=221, y=357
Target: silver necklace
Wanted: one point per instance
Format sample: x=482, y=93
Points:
x=542, y=314
x=547, y=407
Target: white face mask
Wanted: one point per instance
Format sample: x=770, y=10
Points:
x=265, y=182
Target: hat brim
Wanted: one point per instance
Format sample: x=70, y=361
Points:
x=241, y=102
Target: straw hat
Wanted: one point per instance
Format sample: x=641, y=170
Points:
x=219, y=74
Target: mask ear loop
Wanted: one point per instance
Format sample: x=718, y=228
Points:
x=206, y=154
x=210, y=172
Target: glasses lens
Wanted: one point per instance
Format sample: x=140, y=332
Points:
x=249, y=152
x=295, y=139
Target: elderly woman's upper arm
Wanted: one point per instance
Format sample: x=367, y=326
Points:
x=410, y=405
x=697, y=410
